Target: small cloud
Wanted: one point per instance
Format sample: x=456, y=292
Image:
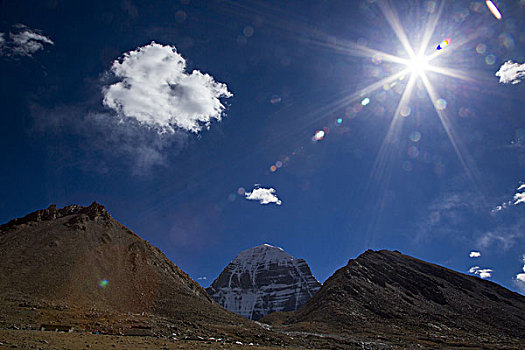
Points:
x=202, y=278
x=520, y=277
x=155, y=90
x=473, y=269
x=23, y=42
x=29, y=42
x=474, y=254
x=519, y=197
x=482, y=273
x=502, y=206
x=511, y=72
x=263, y=195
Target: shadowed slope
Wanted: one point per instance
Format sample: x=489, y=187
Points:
x=79, y=266
x=395, y=296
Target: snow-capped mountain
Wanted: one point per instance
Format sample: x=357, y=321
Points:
x=262, y=280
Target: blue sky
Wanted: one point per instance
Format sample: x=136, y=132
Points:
x=95, y=107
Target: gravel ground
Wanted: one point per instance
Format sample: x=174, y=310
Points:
x=26, y=339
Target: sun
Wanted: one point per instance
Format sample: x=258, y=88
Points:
x=418, y=64
x=421, y=61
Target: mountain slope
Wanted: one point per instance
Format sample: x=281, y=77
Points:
x=395, y=296
x=79, y=266
x=264, y=279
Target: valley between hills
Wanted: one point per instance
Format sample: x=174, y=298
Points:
x=53, y=264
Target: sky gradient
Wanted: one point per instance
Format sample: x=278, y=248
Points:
x=181, y=116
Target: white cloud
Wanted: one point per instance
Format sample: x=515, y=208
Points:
x=263, y=195
x=520, y=277
x=157, y=104
x=511, y=72
x=502, y=206
x=29, y=42
x=483, y=273
x=474, y=254
x=25, y=42
x=519, y=197
x=473, y=269
x=156, y=90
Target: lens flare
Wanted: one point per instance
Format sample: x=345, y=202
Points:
x=103, y=283
x=443, y=44
x=493, y=9
x=319, y=135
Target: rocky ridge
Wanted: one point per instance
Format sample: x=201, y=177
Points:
x=80, y=268
x=407, y=301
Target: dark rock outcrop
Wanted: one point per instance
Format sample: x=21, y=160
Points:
x=94, y=212
x=399, y=298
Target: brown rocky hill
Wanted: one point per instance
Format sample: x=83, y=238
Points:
x=402, y=300
x=78, y=266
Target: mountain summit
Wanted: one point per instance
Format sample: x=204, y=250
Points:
x=409, y=301
x=81, y=256
x=79, y=267
x=262, y=280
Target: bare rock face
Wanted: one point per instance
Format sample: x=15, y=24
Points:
x=404, y=300
x=80, y=267
x=66, y=255
x=262, y=280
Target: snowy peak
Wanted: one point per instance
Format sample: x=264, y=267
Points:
x=264, y=279
x=262, y=254
x=264, y=249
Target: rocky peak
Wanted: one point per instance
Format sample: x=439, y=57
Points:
x=94, y=211
x=80, y=267
x=264, y=279
x=386, y=291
